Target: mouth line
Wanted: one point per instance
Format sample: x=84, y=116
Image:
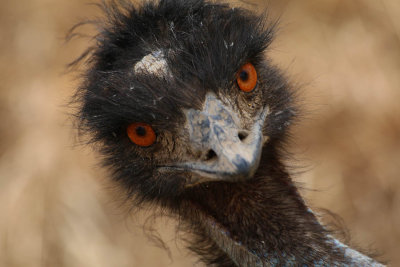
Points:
x=198, y=176
x=202, y=172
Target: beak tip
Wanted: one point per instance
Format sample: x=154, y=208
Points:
x=244, y=168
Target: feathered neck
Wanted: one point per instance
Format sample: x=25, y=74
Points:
x=262, y=222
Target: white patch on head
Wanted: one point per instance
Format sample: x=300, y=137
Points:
x=153, y=63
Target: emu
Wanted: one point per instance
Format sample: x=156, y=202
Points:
x=190, y=115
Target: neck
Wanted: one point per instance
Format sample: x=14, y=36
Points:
x=262, y=222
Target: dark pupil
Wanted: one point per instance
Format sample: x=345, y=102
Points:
x=244, y=76
x=141, y=131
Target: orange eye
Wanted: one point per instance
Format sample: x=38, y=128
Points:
x=141, y=134
x=247, y=77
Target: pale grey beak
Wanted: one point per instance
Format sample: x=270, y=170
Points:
x=229, y=151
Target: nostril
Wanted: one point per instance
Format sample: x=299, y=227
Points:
x=211, y=155
x=242, y=135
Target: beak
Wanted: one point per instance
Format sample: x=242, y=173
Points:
x=228, y=151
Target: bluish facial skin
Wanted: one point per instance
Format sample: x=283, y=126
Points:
x=218, y=131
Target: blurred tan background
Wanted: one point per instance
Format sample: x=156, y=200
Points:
x=56, y=208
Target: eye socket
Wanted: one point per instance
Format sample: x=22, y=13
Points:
x=141, y=134
x=246, y=77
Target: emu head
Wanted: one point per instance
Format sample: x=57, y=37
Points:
x=180, y=95
x=190, y=114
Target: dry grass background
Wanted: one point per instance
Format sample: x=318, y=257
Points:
x=55, y=206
